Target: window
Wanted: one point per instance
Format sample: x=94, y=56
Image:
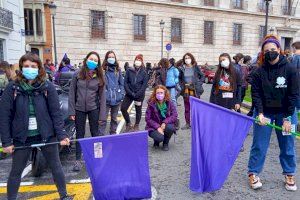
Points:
x=139, y=27
x=97, y=24
x=176, y=30
x=39, y=22
x=287, y=8
x=1, y=50
x=208, y=32
x=237, y=34
x=180, y=1
x=261, y=34
x=237, y=4
x=209, y=2
x=28, y=20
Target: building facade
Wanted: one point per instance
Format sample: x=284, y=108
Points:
x=206, y=28
x=38, y=28
x=12, y=38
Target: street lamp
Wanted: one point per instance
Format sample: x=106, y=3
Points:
x=267, y=16
x=52, y=7
x=162, y=26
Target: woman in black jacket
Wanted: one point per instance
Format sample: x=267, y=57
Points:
x=136, y=81
x=226, y=88
x=275, y=91
x=30, y=114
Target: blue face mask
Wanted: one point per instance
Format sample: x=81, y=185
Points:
x=91, y=65
x=111, y=60
x=30, y=73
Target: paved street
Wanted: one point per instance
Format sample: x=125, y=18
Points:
x=169, y=173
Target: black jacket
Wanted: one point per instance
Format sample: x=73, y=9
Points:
x=275, y=88
x=135, y=83
x=198, y=80
x=217, y=97
x=14, y=115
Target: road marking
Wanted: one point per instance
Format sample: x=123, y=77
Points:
x=122, y=122
x=22, y=184
x=88, y=180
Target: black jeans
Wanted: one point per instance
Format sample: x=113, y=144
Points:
x=19, y=161
x=113, y=118
x=157, y=137
x=80, y=122
x=138, y=109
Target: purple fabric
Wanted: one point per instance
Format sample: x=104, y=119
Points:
x=122, y=171
x=271, y=40
x=217, y=137
x=153, y=117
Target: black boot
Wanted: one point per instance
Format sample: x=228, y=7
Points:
x=165, y=147
x=156, y=145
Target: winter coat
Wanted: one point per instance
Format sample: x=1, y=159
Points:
x=14, y=117
x=114, y=87
x=154, y=118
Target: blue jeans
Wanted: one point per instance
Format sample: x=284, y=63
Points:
x=261, y=140
x=295, y=118
x=173, y=94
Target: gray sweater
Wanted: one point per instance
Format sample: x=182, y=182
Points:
x=86, y=95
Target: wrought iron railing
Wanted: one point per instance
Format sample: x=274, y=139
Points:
x=6, y=18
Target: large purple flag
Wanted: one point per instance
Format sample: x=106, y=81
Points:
x=217, y=137
x=118, y=166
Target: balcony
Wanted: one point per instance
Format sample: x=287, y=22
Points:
x=6, y=19
x=261, y=6
x=288, y=10
x=239, y=4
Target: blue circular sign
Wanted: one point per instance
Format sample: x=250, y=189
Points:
x=169, y=47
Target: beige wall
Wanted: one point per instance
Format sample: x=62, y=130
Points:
x=73, y=29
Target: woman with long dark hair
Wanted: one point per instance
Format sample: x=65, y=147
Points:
x=87, y=98
x=30, y=114
x=191, y=80
x=114, y=88
x=226, y=88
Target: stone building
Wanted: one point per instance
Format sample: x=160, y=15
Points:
x=205, y=28
x=12, y=40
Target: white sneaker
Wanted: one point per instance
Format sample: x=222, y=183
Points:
x=290, y=183
x=254, y=182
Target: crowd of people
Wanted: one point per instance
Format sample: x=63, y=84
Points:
x=98, y=90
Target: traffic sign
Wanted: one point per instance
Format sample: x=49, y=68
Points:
x=169, y=47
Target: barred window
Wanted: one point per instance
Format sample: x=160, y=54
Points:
x=176, y=30
x=237, y=4
x=208, y=32
x=237, y=34
x=28, y=21
x=209, y=2
x=97, y=24
x=179, y=1
x=39, y=22
x=139, y=28
x=261, y=34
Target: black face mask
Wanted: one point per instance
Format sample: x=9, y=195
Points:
x=271, y=56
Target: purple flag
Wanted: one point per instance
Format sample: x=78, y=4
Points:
x=217, y=137
x=118, y=166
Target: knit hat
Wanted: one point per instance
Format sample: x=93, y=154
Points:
x=140, y=57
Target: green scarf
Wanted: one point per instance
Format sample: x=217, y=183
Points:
x=162, y=109
x=29, y=89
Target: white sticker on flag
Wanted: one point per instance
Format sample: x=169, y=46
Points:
x=227, y=95
x=32, y=125
x=98, y=153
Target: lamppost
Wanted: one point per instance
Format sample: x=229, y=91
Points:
x=267, y=16
x=162, y=26
x=52, y=7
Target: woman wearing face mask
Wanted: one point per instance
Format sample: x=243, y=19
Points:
x=226, y=89
x=274, y=94
x=191, y=80
x=87, y=98
x=30, y=114
x=135, y=82
x=161, y=116
x=114, y=88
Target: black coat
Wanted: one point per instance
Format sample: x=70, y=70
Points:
x=135, y=83
x=14, y=115
x=275, y=88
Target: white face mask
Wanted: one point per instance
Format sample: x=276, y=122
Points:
x=188, y=61
x=225, y=64
x=138, y=63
